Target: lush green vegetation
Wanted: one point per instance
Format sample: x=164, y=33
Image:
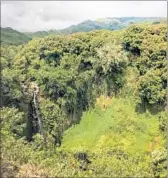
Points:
x=86, y=104
x=150, y=60
x=121, y=140
x=13, y=37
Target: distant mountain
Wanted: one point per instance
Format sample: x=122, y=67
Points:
x=13, y=37
x=38, y=33
x=103, y=23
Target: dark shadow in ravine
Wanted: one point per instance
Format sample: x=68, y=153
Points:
x=153, y=109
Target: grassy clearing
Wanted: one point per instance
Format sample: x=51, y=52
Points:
x=116, y=125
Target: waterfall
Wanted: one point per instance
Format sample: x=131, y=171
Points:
x=37, y=114
x=36, y=110
x=34, y=120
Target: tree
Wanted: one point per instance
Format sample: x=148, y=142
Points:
x=147, y=45
x=113, y=61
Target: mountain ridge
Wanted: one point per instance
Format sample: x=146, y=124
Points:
x=11, y=36
x=114, y=23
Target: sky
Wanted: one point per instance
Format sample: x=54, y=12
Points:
x=44, y=15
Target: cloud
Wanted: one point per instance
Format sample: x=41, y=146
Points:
x=45, y=15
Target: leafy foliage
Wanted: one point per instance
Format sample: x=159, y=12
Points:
x=85, y=87
x=148, y=46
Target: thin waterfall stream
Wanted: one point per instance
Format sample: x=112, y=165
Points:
x=37, y=113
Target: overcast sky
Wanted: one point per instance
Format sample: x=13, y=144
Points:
x=45, y=15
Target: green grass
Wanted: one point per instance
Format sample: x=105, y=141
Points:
x=118, y=126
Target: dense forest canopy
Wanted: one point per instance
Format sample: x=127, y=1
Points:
x=86, y=104
x=148, y=44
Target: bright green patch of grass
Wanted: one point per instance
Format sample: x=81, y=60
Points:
x=117, y=126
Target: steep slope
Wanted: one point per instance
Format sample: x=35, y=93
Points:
x=117, y=138
x=13, y=37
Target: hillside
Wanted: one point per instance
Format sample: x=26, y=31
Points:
x=104, y=23
x=121, y=126
x=13, y=37
x=87, y=104
x=115, y=135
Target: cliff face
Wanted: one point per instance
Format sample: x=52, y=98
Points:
x=31, y=108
